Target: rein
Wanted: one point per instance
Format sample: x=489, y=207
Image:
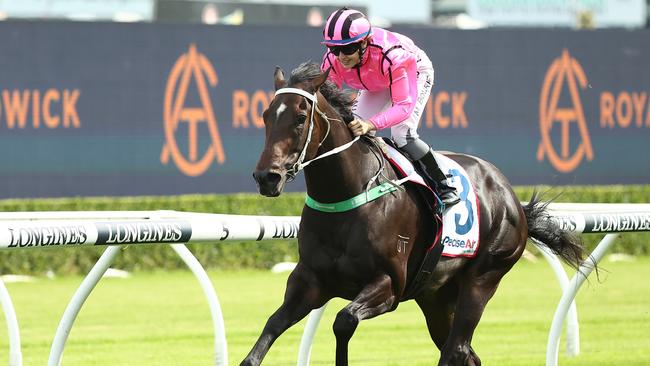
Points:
x=300, y=165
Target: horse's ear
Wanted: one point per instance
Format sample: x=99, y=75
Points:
x=279, y=78
x=320, y=79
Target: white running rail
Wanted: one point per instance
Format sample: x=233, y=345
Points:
x=23, y=230
x=20, y=230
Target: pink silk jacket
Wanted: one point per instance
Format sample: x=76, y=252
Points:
x=390, y=61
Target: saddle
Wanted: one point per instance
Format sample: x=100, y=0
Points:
x=426, y=188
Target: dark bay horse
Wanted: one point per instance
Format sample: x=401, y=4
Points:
x=359, y=254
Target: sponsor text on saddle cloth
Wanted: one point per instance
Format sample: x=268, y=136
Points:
x=460, y=229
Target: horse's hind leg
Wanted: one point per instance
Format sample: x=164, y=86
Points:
x=438, y=309
x=375, y=299
x=302, y=295
x=477, y=285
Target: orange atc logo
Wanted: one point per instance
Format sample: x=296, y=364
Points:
x=564, y=70
x=191, y=66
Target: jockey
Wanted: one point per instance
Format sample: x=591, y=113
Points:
x=394, y=77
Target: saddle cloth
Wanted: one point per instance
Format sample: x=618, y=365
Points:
x=460, y=222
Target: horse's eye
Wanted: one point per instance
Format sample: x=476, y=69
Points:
x=301, y=118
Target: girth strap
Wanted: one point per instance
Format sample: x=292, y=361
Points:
x=429, y=262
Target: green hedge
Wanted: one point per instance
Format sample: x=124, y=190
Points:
x=229, y=255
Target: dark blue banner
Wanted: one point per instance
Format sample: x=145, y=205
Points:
x=141, y=109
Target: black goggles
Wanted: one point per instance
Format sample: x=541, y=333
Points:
x=347, y=49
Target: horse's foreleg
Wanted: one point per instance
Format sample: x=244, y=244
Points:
x=375, y=299
x=302, y=295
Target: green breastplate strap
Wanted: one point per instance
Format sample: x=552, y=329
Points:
x=353, y=202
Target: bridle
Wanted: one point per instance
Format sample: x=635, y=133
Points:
x=362, y=198
x=300, y=163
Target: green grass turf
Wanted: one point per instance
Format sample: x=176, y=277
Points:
x=163, y=319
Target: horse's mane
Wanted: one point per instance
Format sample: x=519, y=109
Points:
x=341, y=100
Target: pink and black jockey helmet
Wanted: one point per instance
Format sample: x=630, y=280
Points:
x=345, y=26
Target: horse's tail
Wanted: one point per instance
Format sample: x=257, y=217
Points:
x=547, y=231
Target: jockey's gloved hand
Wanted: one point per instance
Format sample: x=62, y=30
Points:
x=360, y=127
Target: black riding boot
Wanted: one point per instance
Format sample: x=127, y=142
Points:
x=447, y=193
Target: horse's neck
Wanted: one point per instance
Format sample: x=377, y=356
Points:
x=343, y=175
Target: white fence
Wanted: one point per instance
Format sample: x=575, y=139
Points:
x=21, y=230
x=611, y=219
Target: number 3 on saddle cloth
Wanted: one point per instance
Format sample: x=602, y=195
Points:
x=460, y=223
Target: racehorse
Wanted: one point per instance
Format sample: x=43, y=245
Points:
x=361, y=254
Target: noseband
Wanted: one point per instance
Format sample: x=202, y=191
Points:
x=299, y=164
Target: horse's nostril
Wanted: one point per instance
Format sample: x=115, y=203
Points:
x=269, y=183
x=260, y=175
x=256, y=176
x=265, y=177
x=273, y=178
